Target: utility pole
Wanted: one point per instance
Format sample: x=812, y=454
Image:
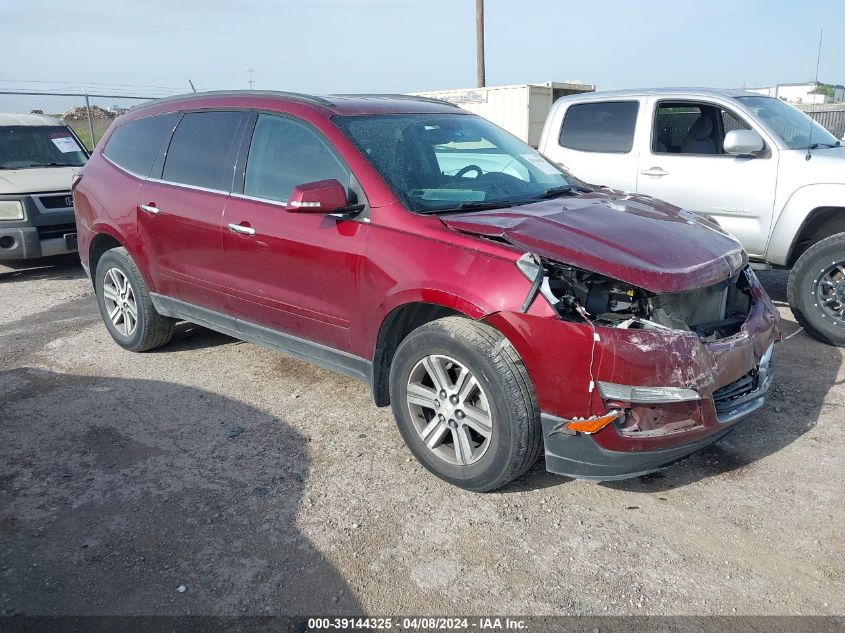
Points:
x=479, y=42
x=250, y=80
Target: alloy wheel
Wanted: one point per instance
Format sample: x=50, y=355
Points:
x=828, y=289
x=120, y=301
x=449, y=409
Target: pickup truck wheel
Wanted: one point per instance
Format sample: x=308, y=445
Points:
x=125, y=304
x=816, y=290
x=464, y=404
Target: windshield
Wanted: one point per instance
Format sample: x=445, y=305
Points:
x=437, y=162
x=26, y=146
x=790, y=124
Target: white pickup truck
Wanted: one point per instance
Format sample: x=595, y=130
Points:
x=764, y=170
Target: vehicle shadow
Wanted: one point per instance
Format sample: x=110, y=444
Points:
x=57, y=267
x=134, y=497
x=805, y=369
x=189, y=336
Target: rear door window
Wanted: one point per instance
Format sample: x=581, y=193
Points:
x=285, y=153
x=202, y=150
x=134, y=145
x=600, y=127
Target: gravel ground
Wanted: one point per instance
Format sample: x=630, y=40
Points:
x=216, y=477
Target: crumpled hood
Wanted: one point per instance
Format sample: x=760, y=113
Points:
x=36, y=180
x=637, y=239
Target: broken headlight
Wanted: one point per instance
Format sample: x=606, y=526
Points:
x=576, y=294
x=713, y=312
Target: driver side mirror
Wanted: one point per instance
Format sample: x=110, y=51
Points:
x=322, y=196
x=742, y=142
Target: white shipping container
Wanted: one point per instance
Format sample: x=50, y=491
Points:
x=520, y=109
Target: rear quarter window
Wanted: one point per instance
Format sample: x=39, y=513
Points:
x=135, y=144
x=600, y=127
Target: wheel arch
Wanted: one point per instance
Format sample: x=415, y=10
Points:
x=100, y=244
x=396, y=325
x=104, y=238
x=812, y=213
x=820, y=223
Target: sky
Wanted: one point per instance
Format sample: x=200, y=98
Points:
x=323, y=46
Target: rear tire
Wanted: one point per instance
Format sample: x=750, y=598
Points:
x=501, y=402
x=125, y=304
x=816, y=290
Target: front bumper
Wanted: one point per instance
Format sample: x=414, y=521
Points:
x=48, y=227
x=579, y=456
x=565, y=363
x=26, y=243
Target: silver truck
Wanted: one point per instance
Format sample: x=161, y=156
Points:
x=764, y=170
x=39, y=156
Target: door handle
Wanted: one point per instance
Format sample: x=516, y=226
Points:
x=148, y=208
x=243, y=230
x=654, y=171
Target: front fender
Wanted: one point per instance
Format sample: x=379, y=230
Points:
x=794, y=214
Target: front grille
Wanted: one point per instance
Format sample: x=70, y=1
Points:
x=725, y=396
x=59, y=201
x=54, y=231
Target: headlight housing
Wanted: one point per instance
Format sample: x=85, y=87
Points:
x=532, y=267
x=646, y=395
x=11, y=210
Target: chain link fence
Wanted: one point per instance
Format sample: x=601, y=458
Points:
x=830, y=115
x=89, y=115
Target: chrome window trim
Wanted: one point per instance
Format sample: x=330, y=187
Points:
x=244, y=196
x=165, y=182
x=186, y=186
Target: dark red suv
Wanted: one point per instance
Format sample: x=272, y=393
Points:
x=499, y=305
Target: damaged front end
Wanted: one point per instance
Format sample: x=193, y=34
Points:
x=712, y=313
x=651, y=338
x=667, y=372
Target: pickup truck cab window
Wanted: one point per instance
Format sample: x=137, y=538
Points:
x=692, y=128
x=605, y=126
x=285, y=153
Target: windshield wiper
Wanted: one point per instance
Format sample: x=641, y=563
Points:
x=818, y=145
x=555, y=192
x=471, y=206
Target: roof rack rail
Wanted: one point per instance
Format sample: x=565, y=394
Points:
x=293, y=96
x=396, y=95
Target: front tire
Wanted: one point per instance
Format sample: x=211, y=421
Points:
x=464, y=404
x=816, y=290
x=125, y=304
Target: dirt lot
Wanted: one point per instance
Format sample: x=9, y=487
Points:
x=260, y=484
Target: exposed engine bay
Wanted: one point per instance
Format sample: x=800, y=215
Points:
x=713, y=312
